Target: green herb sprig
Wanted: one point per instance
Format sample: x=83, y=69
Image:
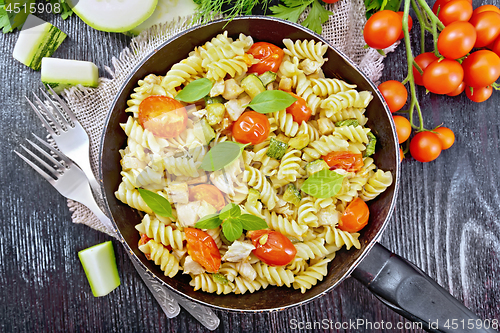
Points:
x=158, y=204
x=194, y=90
x=271, y=101
x=222, y=155
x=292, y=9
x=233, y=222
x=323, y=184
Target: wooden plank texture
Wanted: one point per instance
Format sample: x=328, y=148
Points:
x=446, y=222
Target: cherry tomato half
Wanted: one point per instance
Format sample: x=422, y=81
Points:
x=423, y=60
x=382, y=29
x=410, y=25
x=403, y=128
x=355, y=216
x=276, y=250
x=270, y=57
x=480, y=94
x=425, y=146
x=442, y=77
x=344, y=160
x=251, y=127
x=487, y=25
x=395, y=94
x=202, y=248
x=209, y=193
x=299, y=109
x=481, y=68
x=456, y=10
x=446, y=136
x=456, y=40
x=163, y=116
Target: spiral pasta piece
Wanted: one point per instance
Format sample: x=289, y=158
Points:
x=184, y=71
x=276, y=276
x=349, y=113
x=311, y=249
x=377, y=184
x=307, y=213
x=132, y=198
x=305, y=49
x=327, y=144
x=311, y=276
x=340, y=238
x=324, y=87
x=285, y=123
x=143, y=136
x=258, y=181
x=297, y=265
x=355, y=134
x=289, y=168
x=206, y=283
x=160, y=232
x=242, y=285
x=235, y=66
x=350, y=98
x=283, y=225
x=228, y=269
x=160, y=255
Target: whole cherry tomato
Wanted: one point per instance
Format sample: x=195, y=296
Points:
x=486, y=8
x=395, y=94
x=355, y=216
x=440, y=3
x=481, y=68
x=403, y=128
x=423, y=60
x=460, y=89
x=410, y=25
x=163, y=116
x=456, y=40
x=446, y=136
x=382, y=29
x=455, y=10
x=442, y=77
x=276, y=250
x=251, y=127
x=425, y=146
x=487, y=25
x=346, y=160
x=202, y=248
x=480, y=94
x=299, y=109
x=270, y=57
x=211, y=194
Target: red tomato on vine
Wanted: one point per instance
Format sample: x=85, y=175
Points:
x=382, y=29
x=442, y=77
x=479, y=95
x=487, y=25
x=456, y=10
x=481, y=68
x=395, y=94
x=456, y=40
x=425, y=146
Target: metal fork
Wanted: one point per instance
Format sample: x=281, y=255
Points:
x=70, y=181
x=70, y=137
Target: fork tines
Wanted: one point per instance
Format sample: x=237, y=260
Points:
x=55, y=171
x=58, y=117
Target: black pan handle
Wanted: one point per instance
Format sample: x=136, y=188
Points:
x=409, y=291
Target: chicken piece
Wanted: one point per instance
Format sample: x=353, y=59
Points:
x=191, y=266
x=179, y=253
x=132, y=162
x=328, y=216
x=326, y=126
x=198, y=180
x=206, y=209
x=238, y=251
x=246, y=270
x=218, y=88
x=285, y=84
x=187, y=214
x=231, y=90
x=178, y=193
x=235, y=107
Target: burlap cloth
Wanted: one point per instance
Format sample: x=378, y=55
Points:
x=343, y=30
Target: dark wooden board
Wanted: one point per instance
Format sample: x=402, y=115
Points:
x=446, y=222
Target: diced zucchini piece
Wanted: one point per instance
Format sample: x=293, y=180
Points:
x=252, y=85
x=315, y=166
x=212, y=100
x=166, y=11
x=62, y=73
x=113, y=15
x=204, y=132
x=347, y=122
x=299, y=142
x=253, y=196
x=38, y=39
x=215, y=113
x=292, y=195
x=224, y=239
x=370, y=147
x=220, y=279
x=99, y=264
x=276, y=149
x=267, y=78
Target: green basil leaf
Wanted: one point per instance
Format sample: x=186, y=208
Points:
x=323, y=184
x=252, y=222
x=232, y=229
x=158, y=204
x=230, y=210
x=210, y=221
x=195, y=90
x=221, y=155
x=271, y=101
